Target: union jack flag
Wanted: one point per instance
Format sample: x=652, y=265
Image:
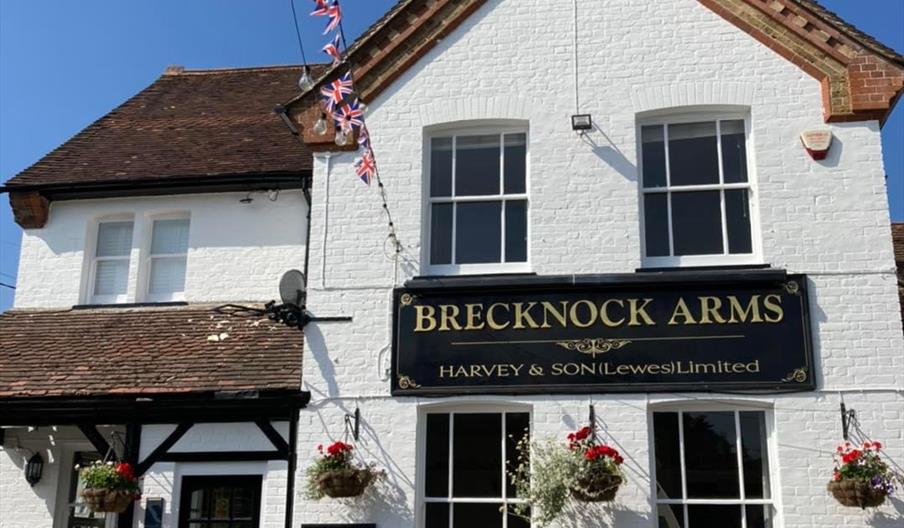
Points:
x=364, y=138
x=335, y=15
x=322, y=9
x=334, y=93
x=332, y=49
x=366, y=167
x=349, y=116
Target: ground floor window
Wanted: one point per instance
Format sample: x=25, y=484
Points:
x=79, y=514
x=465, y=479
x=220, y=502
x=712, y=469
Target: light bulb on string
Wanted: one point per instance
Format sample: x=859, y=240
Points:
x=341, y=137
x=306, y=82
x=320, y=125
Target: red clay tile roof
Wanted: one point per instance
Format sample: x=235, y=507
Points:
x=159, y=350
x=184, y=125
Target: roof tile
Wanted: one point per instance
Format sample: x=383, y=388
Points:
x=144, y=350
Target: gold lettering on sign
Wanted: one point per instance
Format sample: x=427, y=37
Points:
x=448, y=313
x=773, y=305
x=523, y=316
x=682, y=311
x=604, y=313
x=573, y=314
x=491, y=319
x=473, y=317
x=640, y=311
x=740, y=315
x=426, y=322
x=549, y=309
x=709, y=310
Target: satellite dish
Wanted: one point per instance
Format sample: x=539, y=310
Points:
x=292, y=287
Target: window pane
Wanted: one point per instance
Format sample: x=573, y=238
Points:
x=441, y=167
x=697, y=223
x=515, y=163
x=242, y=504
x=653, y=150
x=670, y=515
x=693, y=155
x=114, y=239
x=753, y=455
x=477, y=516
x=737, y=216
x=437, y=515
x=710, y=456
x=734, y=154
x=656, y=224
x=516, y=231
x=441, y=233
x=759, y=516
x=668, y=455
x=478, y=233
x=517, y=426
x=167, y=275
x=709, y=515
x=477, y=456
x=515, y=521
x=476, y=165
x=111, y=277
x=170, y=237
x=437, y=457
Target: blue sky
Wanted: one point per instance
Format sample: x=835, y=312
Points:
x=64, y=64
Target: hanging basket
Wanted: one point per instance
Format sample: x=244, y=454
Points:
x=856, y=493
x=598, y=487
x=100, y=500
x=342, y=483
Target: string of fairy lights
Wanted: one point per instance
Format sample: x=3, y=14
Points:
x=339, y=101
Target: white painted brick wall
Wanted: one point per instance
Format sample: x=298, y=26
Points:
x=236, y=251
x=511, y=60
x=508, y=61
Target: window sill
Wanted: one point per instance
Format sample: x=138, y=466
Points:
x=726, y=267
x=452, y=270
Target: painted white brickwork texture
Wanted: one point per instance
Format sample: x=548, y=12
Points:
x=826, y=219
x=236, y=252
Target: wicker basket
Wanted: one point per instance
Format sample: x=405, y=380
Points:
x=342, y=483
x=106, y=501
x=856, y=493
x=599, y=487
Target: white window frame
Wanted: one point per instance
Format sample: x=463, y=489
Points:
x=771, y=454
x=725, y=258
x=92, y=276
x=149, y=260
x=481, y=268
x=452, y=410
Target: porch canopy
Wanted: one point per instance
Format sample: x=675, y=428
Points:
x=156, y=364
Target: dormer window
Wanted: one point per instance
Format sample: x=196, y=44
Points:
x=110, y=277
x=169, y=252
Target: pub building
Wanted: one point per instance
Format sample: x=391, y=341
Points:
x=667, y=221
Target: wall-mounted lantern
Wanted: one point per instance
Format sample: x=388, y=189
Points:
x=34, y=468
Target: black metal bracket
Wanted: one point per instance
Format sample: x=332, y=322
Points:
x=848, y=417
x=296, y=316
x=592, y=420
x=353, y=424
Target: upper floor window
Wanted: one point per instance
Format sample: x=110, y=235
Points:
x=696, y=193
x=110, y=278
x=169, y=251
x=478, y=200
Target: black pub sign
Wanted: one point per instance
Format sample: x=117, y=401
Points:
x=593, y=336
